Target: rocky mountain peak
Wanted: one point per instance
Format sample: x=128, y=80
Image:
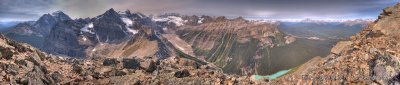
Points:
x=221, y=18
x=60, y=16
x=53, y=17
x=111, y=13
x=47, y=21
x=133, y=15
x=110, y=26
x=46, y=18
x=44, y=24
x=128, y=12
x=240, y=18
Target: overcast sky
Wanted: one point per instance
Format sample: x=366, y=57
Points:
x=271, y=9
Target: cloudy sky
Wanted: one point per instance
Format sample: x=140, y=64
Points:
x=11, y=10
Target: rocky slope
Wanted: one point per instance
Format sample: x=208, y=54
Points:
x=370, y=57
x=24, y=64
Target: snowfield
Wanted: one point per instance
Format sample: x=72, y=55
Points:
x=178, y=21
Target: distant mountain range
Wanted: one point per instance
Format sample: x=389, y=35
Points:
x=4, y=26
x=369, y=57
x=324, y=29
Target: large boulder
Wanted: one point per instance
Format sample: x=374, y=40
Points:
x=130, y=63
x=35, y=59
x=181, y=74
x=108, y=62
x=148, y=65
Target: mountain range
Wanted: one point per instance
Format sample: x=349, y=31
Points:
x=209, y=38
x=173, y=48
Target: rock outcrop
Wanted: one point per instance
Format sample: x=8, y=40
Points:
x=370, y=57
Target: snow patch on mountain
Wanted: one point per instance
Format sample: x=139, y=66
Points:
x=87, y=28
x=127, y=21
x=178, y=21
x=94, y=49
x=129, y=24
x=132, y=31
x=164, y=28
x=314, y=38
x=200, y=20
x=84, y=38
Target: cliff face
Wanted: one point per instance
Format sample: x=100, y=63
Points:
x=109, y=27
x=236, y=45
x=370, y=57
x=64, y=40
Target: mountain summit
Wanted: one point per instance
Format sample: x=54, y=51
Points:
x=60, y=16
x=47, y=21
x=34, y=33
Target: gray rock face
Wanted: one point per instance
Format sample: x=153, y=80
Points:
x=44, y=24
x=79, y=38
x=34, y=33
x=47, y=21
x=134, y=15
x=109, y=27
x=64, y=40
